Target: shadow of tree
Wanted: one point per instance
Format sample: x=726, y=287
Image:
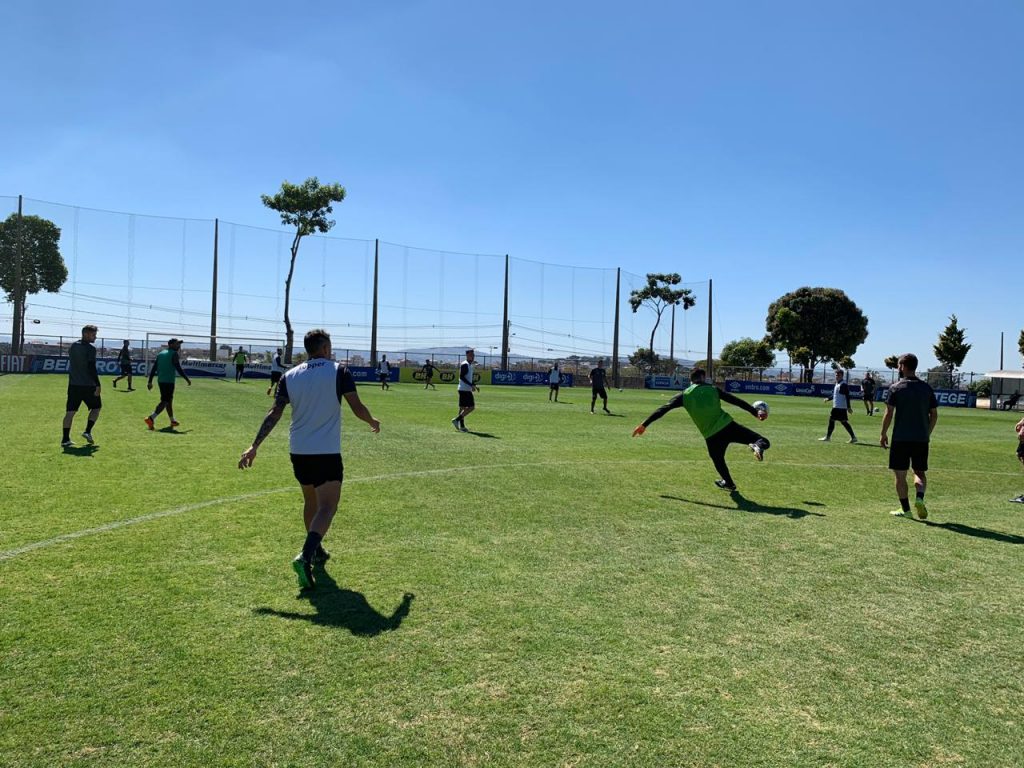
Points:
x=978, y=533
x=743, y=504
x=344, y=609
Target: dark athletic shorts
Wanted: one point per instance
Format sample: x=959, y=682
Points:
x=239, y=367
x=554, y=387
x=275, y=376
x=317, y=468
x=78, y=394
x=383, y=377
x=904, y=454
x=599, y=392
x=839, y=414
x=126, y=369
x=466, y=400
x=1020, y=450
x=166, y=392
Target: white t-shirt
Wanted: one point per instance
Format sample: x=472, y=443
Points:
x=314, y=389
x=839, y=400
x=383, y=369
x=463, y=387
x=276, y=366
x=554, y=375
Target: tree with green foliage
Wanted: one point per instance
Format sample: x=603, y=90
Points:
x=645, y=360
x=823, y=321
x=658, y=295
x=952, y=347
x=892, y=362
x=748, y=353
x=306, y=207
x=30, y=262
x=1020, y=343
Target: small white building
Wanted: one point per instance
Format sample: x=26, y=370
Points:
x=1007, y=390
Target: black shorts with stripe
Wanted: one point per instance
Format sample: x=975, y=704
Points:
x=317, y=468
x=466, y=400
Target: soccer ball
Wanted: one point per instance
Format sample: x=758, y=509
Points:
x=761, y=405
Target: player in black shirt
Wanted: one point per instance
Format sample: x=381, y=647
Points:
x=915, y=408
x=124, y=359
x=598, y=377
x=83, y=385
x=428, y=375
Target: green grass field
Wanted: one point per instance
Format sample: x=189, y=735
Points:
x=547, y=591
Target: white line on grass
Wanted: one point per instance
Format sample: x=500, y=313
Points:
x=116, y=524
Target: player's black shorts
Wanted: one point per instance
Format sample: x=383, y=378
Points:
x=904, y=454
x=239, y=367
x=166, y=392
x=275, y=376
x=126, y=369
x=554, y=387
x=839, y=414
x=78, y=394
x=383, y=377
x=466, y=400
x=869, y=396
x=1020, y=450
x=599, y=392
x=317, y=468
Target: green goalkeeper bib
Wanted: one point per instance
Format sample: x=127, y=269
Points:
x=701, y=401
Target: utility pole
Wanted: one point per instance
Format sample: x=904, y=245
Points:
x=213, y=301
x=19, y=298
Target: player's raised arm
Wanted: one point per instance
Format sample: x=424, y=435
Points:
x=675, y=402
x=731, y=399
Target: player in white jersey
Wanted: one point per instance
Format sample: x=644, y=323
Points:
x=276, y=372
x=314, y=389
x=384, y=372
x=554, y=380
x=841, y=407
x=466, y=389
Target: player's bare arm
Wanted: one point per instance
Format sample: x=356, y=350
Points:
x=360, y=411
x=273, y=416
x=886, y=420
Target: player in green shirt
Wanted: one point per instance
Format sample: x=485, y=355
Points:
x=703, y=402
x=165, y=368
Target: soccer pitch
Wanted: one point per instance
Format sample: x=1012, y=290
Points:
x=546, y=591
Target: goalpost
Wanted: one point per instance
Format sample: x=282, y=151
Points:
x=195, y=351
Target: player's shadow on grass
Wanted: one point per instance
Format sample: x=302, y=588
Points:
x=862, y=444
x=979, y=533
x=173, y=431
x=482, y=434
x=344, y=609
x=81, y=450
x=743, y=504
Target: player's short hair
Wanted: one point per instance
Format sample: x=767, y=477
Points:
x=90, y=327
x=697, y=373
x=909, y=361
x=315, y=340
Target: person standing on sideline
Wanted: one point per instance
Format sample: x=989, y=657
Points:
x=1019, y=429
x=239, y=360
x=703, y=402
x=165, y=367
x=916, y=411
x=124, y=360
x=554, y=379
x=384, y=372
x=867, y=385
x=314, y=389
x=428, y=375
x=598, y=377
x=466, y=389
x=83, y=385
x=276, y=371
x=841, y=406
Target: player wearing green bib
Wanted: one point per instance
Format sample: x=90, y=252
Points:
x=703, y=403
x=166, y=366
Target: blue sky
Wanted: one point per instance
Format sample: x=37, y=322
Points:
x=873, y=147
